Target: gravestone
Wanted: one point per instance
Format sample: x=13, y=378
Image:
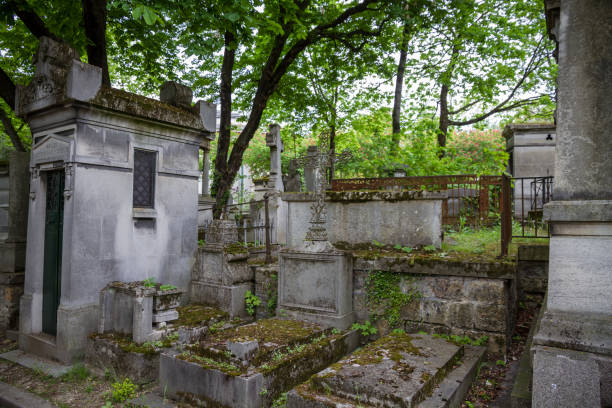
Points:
x=293, y=181
x=113, y=195
x=221, y=275
x=316, y=279
x=572, y=347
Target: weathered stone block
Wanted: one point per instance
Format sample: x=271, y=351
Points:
x=461, y=315
x=491, y=317
x=564, y=378
x=482, y=290
x=434, y=311
x=448, y=288
x=317, y=286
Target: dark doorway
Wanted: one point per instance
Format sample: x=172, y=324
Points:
x=54, y=221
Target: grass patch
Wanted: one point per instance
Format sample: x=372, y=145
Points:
x=486, y=241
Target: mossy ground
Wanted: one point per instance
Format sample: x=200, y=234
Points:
x=391, y=346
x=466, y=245
x=280, y=342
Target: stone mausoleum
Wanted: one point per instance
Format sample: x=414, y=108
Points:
x=113, y=194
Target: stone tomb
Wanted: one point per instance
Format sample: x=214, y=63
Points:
x=398, y=370
x=221, y=275
x=252, y=365
x=113, y=195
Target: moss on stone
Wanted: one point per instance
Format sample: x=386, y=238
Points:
x=235, y=248
x=195, y=315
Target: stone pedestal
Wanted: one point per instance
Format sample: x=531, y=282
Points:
x=316, y=284
x=221, y=275
x=572, y=349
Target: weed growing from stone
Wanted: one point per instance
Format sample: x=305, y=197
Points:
x=251, y=302
x=77, y=373
x=385, y=297
x=123, y=390
x=365, y=329
x=280, y=402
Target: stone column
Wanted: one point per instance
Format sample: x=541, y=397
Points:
x=572, y=349
x=310, y=170
x=274, y=142
x=19, y=192
x=205, y=172
x=13, y=249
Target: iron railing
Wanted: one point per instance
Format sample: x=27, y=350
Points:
x=471, y=199
x=253, y=223
x=529, y=196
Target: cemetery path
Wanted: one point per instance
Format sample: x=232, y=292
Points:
x=493, y=386
x=79, y=388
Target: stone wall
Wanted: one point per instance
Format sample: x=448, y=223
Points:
x=407, y=218
x=266, y=289
x=456, y=297
x=532, y=273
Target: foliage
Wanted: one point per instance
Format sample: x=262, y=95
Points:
x=366, y=329
x=77, y=373
x=149, y=283
x=123, y=390
x=167, y=287
x=385, y=297
x=481, y=341
x=251, y=302
x=280, y=402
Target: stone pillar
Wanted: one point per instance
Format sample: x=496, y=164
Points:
x=221, y=275
x=274, y=142
x=572, y=349
x=19, y=192
x=205, y=172
x=13, y=249
x=310, y=169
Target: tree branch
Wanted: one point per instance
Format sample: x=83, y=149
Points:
x=31, y=20
x=10, y=130
x=7, y=89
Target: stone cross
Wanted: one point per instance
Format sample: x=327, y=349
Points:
x=319, y=163
x=274, y=142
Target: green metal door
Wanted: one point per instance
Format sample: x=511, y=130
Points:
x=54, y=220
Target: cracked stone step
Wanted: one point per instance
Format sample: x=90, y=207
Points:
x=398, y=370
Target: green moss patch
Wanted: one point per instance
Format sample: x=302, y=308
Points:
x=198, y=315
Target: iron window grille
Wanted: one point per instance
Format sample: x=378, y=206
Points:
x=144, y=178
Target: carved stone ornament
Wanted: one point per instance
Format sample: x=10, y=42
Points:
x=53, y=61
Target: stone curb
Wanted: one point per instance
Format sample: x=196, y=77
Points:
x=12, y=397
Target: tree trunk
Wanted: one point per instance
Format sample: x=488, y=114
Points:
x=10, y=130
x=443, y=126
x=399, y=84
x=221, y=182
x=94, y=18
x=332, y=150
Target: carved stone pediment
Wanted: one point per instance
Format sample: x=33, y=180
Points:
x=51, y=149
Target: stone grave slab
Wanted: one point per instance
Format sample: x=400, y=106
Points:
x=397, y=370
x=251, y=365
x=140, y=362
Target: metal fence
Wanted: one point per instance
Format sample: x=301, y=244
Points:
x=472, y=200
x=254, y=225
x=476, y=200
x=529, y=196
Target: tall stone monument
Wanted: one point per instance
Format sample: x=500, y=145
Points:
x=316, y=279
x=572, y=348
x=13, y=248
x=113, y=195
